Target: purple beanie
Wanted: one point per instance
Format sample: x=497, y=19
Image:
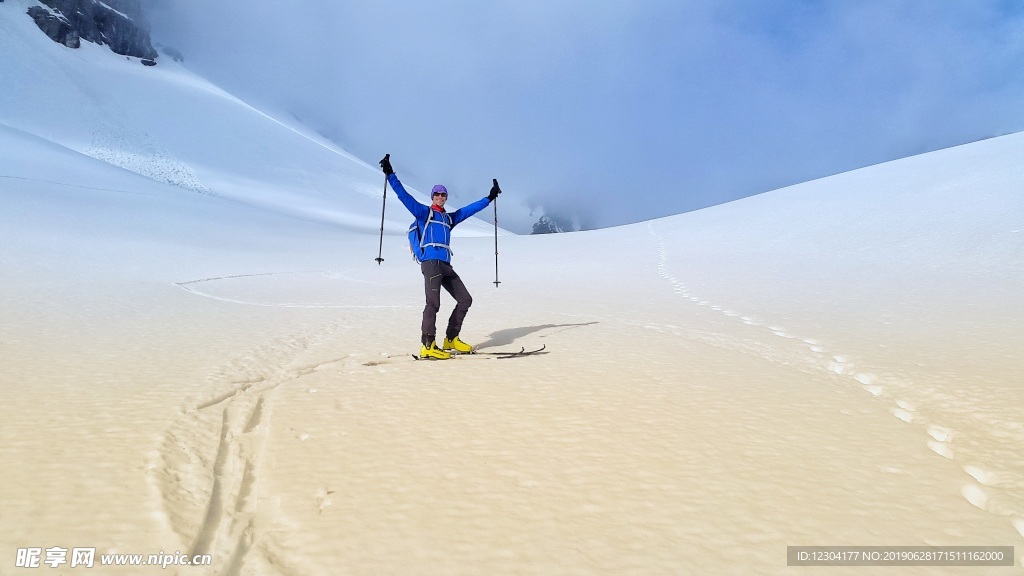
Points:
x=438, y=188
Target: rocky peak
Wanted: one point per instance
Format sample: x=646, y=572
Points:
x=118, y=24
x=551, y=225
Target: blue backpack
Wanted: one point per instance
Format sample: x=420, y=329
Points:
x=416, y=239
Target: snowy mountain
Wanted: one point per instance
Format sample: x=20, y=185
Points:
x=201, y=357
x=171, y=126
x=552, y=225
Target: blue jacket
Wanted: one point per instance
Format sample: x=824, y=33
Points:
x=438, y=234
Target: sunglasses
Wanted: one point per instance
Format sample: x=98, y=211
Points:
x=445, y=194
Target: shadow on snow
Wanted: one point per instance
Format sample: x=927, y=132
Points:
x=510, y=335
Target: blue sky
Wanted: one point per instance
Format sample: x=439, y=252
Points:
x=615, y=112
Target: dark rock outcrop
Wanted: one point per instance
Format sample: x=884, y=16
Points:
x=55, y=26
x=551, y=225
x=118, y=24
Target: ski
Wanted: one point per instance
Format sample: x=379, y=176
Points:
x=475, y=353
x=494, y=355
x=429, y=359
x=524, y=352
x=507, y=353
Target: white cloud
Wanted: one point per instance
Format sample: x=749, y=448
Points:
x=632, y=109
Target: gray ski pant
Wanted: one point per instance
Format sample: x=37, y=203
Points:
x=438, y=274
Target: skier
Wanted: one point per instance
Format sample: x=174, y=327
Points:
x=435, y=225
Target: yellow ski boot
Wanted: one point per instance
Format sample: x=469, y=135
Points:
x=457, y=345
x=433, y=352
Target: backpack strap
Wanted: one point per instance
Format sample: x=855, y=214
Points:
x=423, y=237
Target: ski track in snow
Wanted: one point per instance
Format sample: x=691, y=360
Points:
x=189, y=286
x=940, y=437
x=79, y=186
x=205, y=475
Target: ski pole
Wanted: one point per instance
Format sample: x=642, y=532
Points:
x=496, y=282
x=383, y=204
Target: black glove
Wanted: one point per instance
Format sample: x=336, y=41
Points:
x=385, y=165
x=494, y=191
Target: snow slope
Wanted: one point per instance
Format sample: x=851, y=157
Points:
x=201, y=355
x=174, y=127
